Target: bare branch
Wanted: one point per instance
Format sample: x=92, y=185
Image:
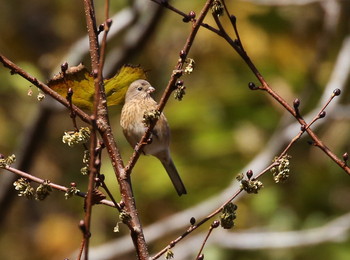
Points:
x=177, y=73
x=43, y=87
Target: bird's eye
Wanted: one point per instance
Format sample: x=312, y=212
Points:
x=139, y=88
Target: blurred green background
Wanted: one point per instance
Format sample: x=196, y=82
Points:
x=218, y=128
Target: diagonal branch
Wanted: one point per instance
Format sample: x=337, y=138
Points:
x=266, y=87
x=177, y=73
x=102, y=122
x=43, y=87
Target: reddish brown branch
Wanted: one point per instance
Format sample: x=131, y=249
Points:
x=102, y=121
x=43, y=87
x=177, y=73
x=185, y=16
x=196, y=226
x=265, y=86
x=93, y=171
x=215, y=224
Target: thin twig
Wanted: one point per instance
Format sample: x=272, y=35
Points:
x=43, y=87
x=53, y=185
x=167, y=5
x=177, y=73
x=265, y=86
x=101, y=115
x=195, y=226
x=211, y=228
x=72, y=112
x=99, y=89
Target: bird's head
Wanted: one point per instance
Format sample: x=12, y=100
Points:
x=139, y=89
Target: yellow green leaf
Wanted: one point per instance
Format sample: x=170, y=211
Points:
x=117, y=86
x=82, y=84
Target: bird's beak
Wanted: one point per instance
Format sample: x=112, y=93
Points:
x=150, y=90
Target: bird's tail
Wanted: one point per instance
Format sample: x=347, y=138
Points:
x=174, y=176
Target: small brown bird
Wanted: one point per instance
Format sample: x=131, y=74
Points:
x=138, y=101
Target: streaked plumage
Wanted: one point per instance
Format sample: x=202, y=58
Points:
x=138, y=101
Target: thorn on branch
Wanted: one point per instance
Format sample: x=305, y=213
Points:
x=296, y=105
x=200, y=257
x=149, y=140
x=83, y=229
x=186, y=19
x=95, y=73
x=322, y=114
x=179, y=83
x=100, y=29
x=69, y=96
x=182, y=55
x=215, y=224
x=311, y=142
x=109, y=22
x=190, y=17
x=64, y=67
x=97, y=181
x=192, y=221
x=164, y=2
x=172, y=243
x=121, y=204
x=249, y=174
x=72, y=112
x=252, y=86
x=233, y=19
x=345, y=157
x=237, y=43
x=101, y=177
x=336, y=92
